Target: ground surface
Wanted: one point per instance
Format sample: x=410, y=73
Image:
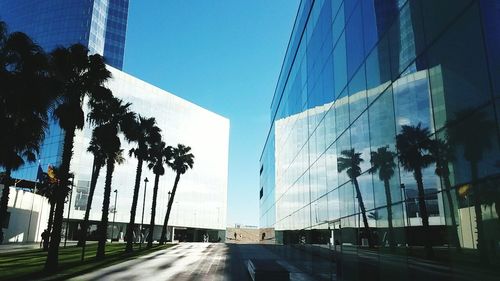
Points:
x=193, y=261
x=26, y=262
x=219, y=261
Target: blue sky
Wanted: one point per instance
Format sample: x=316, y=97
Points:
x=224, y=55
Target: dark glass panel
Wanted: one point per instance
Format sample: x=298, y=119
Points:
x=439, y=14
x=354, y=39
x=459, y=77
x=357, y=94
x=340, y=65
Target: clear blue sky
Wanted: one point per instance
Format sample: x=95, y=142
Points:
x=224, y=55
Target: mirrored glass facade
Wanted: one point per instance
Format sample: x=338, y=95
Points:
x=98, y=24
x=116, y=27
x=354, y=74
x=201, y=198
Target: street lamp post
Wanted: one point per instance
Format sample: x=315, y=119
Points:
x=405, y=201
x=114, y=214
x=69, y=209
x=143, y=205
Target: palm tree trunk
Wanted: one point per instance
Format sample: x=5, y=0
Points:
x=51, y=216
x=454, y=238
x=481, y=241
x=102, y=228
x=5, y=200
x=423, y=213
x=363, y=213
x=388, y=197
x=153, y=212
x=131, y=224
x=165, y=223
x=60, y=196
x=93, y=181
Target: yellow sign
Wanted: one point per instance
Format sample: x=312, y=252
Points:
x=464, y=189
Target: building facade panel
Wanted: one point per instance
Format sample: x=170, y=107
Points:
x=201, y=198
x=116, y=27
x=359, y=72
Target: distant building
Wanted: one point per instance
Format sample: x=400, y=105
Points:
x=201, y=199
x=99, y=24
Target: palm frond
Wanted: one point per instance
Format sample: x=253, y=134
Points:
x=382, y=161
x=480, y=130
x=350, y=162
x=182, y=159
x=27, y=95
x=413, y=145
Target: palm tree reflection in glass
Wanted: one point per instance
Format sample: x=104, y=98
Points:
x=350, y=163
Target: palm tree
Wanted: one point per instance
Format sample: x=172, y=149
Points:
x=3, y=56
x=413, y=145
x=182, y=160
x=80, y=75
x=473, y=130
x=46, y=188
x=114, y=156
x=161, y=154
x=350, y=163
x=27, y=95
x=443, y=154
x=111, y=116
x=382, y=162
x=99, y=161
x=145, y=133
x=374, y=215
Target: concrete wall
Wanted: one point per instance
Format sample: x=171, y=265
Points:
x=243, y=235
x=21, y=204
x=269, y=236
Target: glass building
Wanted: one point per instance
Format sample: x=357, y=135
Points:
x=201, y=199
x=98, y=24
x=116, y=26
x=355, y=72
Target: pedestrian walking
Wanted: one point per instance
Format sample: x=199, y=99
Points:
x=45, y=239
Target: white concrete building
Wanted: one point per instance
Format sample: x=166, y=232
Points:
x=29, y=215
x=201, y=199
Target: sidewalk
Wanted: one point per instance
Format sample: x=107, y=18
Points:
x=14, y=247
